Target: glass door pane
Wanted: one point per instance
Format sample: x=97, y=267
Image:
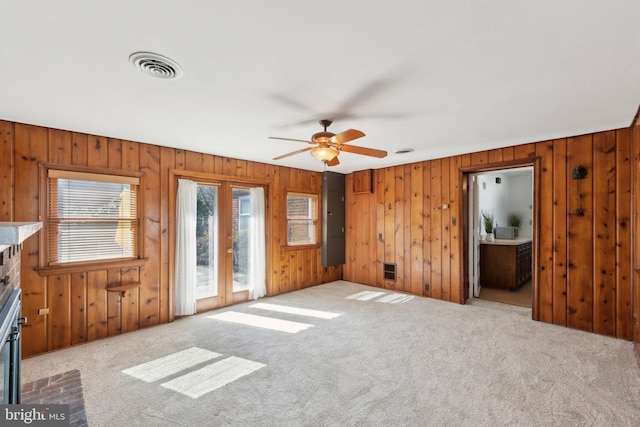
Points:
x=207, y=242
x=241, y=214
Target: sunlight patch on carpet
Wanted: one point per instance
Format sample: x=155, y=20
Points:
x=171, y=364
x=395, y=298
x=295, y=310
x=365, y=295
x=212, y=377
x=262, y=322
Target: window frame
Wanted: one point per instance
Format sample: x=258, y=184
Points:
x=315, y=197
x=106, y=175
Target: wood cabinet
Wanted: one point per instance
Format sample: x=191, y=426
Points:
x=505, y=266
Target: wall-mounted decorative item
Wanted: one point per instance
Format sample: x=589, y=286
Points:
x=579, y=173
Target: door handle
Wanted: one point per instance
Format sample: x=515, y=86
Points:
x=230, y=250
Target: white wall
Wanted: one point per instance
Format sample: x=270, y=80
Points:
x=521, y=202
x=493, y=198
x=513, y=195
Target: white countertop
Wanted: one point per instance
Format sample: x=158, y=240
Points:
x=508, y=241
x=14, y=233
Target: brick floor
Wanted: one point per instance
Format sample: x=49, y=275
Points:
x=65, y=389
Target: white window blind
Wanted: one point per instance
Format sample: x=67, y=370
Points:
x=91, y=217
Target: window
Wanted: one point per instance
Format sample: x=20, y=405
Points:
x=302, y=218
x=91, y=217
x=244, y=212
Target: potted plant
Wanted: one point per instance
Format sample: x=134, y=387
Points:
x=515, y=220
x=488, y=220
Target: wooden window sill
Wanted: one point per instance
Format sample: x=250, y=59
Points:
x=301, y=247
x=90, y=266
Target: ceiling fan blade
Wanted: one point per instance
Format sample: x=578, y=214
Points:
x=371, y=90
x=333, y=162
x=291, y=139
x=346, y=136
x=364, y=150
x=293, y=153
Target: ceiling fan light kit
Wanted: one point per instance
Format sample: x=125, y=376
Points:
x=329, y=145
x=324, y=153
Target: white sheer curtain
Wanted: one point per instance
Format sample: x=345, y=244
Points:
x=257, y=278
x=185, y=268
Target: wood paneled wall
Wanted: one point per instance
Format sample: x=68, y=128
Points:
x=80, y=308
x=584, y=268
x=586, y=264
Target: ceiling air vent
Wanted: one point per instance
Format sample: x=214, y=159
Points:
x=156, y=65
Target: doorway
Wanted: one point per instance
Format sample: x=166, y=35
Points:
x=225, y=246
x=500, y=262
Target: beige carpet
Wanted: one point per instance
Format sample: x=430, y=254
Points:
x=354, y=356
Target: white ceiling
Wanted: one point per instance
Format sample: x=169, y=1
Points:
x=441, y=77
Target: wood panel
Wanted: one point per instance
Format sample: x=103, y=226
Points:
x=455, y=256
x=559, y=221
x=149, y=295
x=545, y=246
x=636, y=243
x=445, y=231
x=580, y=236
x=114, y=301
x=80, y=308
x=115, y=154
x=380, y=232
x=96, y=305
x=398, y=252
x=362, y=181
x=79, y=149
x=604, y=232
x=167, y=162
x=584, y=277
x=388, y=226
x=58, y=302
x=389, y=220
x=436, y=229
x=406, y=229
x=98, y=152
x=623, y=237
x=426, y=228
x=30, y=148
x=7, y=171
x=416, y=229
x=130, y=305
x=59, y=147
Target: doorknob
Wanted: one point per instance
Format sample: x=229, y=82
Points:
x=230, y=250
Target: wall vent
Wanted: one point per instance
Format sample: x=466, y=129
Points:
x=389, y=271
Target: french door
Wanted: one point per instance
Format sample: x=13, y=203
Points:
x=223, y=239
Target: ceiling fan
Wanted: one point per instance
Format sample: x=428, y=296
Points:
x=327, y=145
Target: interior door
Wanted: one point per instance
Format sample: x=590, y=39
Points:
x=474, y=236
x=222, y=244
